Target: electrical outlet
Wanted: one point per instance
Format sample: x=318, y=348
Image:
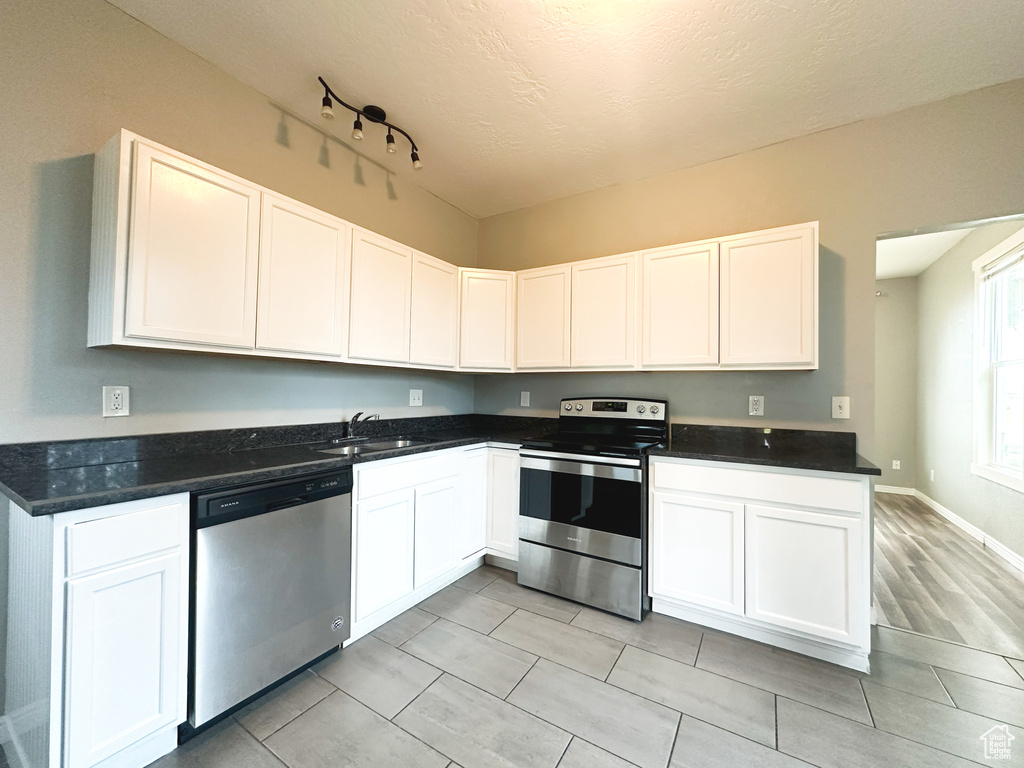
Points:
x=933, y=475
x=415, y=397
x=841, y=407
x=756, y=407
x=524, y=399
x=115, y=401
x=895, y=463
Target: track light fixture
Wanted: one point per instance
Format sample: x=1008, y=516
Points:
x=371, y=113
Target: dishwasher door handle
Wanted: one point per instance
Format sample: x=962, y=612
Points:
x=292, y=502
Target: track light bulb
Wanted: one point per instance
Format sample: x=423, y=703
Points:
x=390, y=142
x=327, y=110
x=357, y=129
x=416, y=164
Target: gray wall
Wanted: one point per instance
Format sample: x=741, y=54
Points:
x=954, y=160
x=896, y=380
x=74, y=72
x=945, y=394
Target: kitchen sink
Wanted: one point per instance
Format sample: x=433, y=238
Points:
x=375, y=446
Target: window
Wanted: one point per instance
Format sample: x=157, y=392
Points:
x=999, y=382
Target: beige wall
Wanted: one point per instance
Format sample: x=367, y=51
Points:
x=896, y=380
x=945, y=385
x=73, y=73
x=954, y=160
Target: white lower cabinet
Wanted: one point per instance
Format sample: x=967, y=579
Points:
x=471, y=535
x=383, y=537
x=697, y=550
x=804, y=571
x=437, y=529
x=503, y=502
x=777, y=555
x=417, y=522
x=109, y=587
x=123, y=652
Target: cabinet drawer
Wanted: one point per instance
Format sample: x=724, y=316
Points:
x=112, y=540
x=779, y=487
x=387, y=477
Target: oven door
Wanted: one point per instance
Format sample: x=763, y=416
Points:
x=594, y=509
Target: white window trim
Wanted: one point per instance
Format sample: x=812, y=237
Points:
x=982, y=465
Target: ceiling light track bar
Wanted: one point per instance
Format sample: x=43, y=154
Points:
x=371, y=113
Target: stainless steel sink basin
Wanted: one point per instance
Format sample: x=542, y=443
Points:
x=375, y=446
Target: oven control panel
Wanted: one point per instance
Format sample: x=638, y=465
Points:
x=616, y=408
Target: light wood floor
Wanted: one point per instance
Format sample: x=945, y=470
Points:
x=932, y=578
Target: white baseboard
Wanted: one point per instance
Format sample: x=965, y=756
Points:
x=895, y=489
x=846, y=656
x=975, y=532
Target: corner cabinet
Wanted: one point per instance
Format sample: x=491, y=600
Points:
x=109, y=587
x=780, y=556
x=486, y=329
x=769, y=299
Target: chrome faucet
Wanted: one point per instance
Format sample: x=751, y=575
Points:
x=355, y=420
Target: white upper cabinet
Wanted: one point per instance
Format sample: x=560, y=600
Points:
x=604, y=312
x=542, y=318
x=303, y=279
x=434, y=326
x=192, y=253
x=380, y=293
x=679, y=308
x=769, y=298
x=485, y=324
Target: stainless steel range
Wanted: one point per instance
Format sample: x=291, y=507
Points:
x=582, y=510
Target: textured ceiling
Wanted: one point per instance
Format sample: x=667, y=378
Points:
x=515, y=102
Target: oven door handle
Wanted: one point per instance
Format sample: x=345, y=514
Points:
x=630, y=474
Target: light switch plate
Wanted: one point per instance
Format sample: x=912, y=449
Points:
x=524, y=399
x=841, y=407
x=756, y=406
x=415, y=397
x=115, y=401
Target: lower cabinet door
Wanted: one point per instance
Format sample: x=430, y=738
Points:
x=384, y=543
x=472, y=528
x=696, y=551
x=503, y=502
x=437, y=517
x=123, y=657
x=804, y=571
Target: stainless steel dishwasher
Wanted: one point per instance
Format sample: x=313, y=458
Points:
x=271, y=581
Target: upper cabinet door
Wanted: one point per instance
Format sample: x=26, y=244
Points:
x=769, y=293
x=434, y=329
x=303, y=286
x=542, y=319
x=380, y=288
x=485, y=324
x=604, y=312
x=679, y=315
x=193, y=253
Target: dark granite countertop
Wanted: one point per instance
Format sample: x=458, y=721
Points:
x=793, y=448
x=50, y=477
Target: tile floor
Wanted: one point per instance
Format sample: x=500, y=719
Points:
x=486, y=673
